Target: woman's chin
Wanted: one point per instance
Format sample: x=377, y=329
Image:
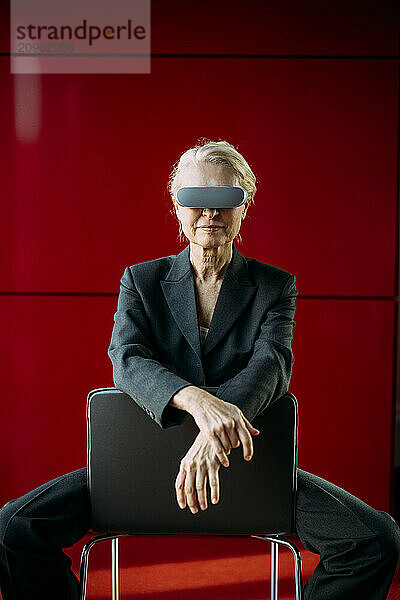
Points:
x=210, y=242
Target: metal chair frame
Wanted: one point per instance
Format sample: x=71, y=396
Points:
x=274, y=539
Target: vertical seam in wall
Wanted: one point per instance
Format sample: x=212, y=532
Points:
x=395, y=434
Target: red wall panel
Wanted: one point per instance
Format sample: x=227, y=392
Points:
x=54, y=352
x=310, y=27
x=89, y=188
x=343, y=380
x=286, y=27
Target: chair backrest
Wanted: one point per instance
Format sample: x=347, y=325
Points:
x=133, y=465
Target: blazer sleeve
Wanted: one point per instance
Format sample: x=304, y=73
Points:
x=136, y=369
x=267, y=374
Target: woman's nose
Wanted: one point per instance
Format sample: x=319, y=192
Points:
x=207, y=211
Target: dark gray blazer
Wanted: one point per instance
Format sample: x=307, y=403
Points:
x=155, y=345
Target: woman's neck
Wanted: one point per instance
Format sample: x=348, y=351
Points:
x=210, y=264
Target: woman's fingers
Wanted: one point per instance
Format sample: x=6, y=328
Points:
x=223, y=438
x=191, y=482
x=250, y=427
x=201, y=485
x=191, y=487
x=213, y=480
x=221, y=444
x=233, y=437
x=190, y=490
x=220, y=452
x=228, y=438
x=245, y=434
x=201, y=481
x=180, y=488
x=247, y=442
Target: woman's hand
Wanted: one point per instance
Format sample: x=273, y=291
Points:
x=199, y=465
x=222, y=423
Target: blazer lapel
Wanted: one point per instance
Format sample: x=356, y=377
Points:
x=236, y=291
x=179, y=292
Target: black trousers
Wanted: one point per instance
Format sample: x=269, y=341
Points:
x=359, y=546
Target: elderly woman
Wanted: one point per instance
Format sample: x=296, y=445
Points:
x=206, y=317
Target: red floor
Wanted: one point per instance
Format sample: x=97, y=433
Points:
x=175, y=568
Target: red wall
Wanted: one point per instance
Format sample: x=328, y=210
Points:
x=311, y=100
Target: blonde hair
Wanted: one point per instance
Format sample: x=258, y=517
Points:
x=216, y=152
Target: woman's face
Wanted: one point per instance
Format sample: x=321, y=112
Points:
x=225, y=222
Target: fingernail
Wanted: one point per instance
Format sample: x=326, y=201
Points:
x=203, y=506
x=181, y=505
x=214, y=500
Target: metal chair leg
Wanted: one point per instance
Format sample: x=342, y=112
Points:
x=274, y=570
x=298, y=577
x=85, y=562
x=115, y=569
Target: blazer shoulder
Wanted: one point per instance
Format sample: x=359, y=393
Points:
x=262, y=271
x=272, y=281
x=149, y=270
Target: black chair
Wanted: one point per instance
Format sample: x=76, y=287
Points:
x=132, y=489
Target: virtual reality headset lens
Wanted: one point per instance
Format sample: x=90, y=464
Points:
x=211, y=196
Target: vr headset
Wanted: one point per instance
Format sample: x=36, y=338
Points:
x=211, y=196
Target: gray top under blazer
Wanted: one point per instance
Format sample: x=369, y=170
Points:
x=155, y=346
